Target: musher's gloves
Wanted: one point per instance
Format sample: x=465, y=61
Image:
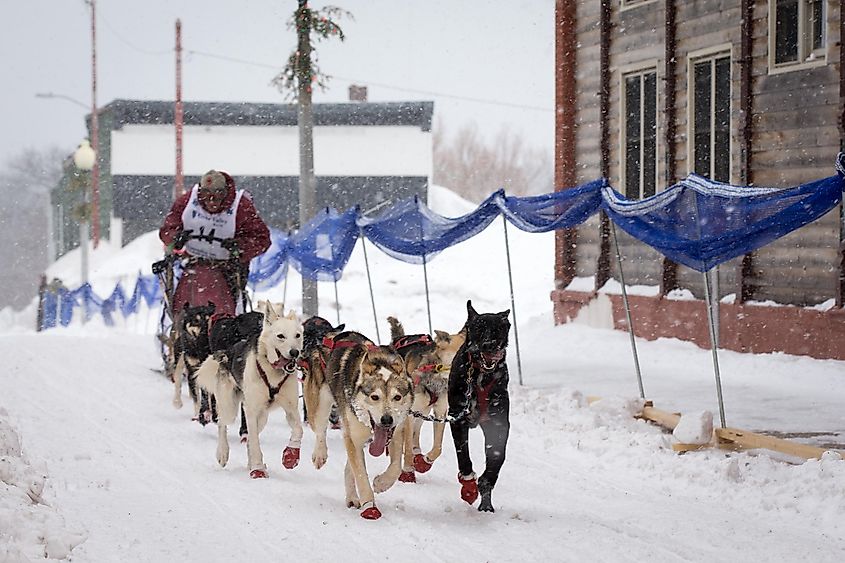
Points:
x=181, y=239
x=231, y=245
x=160, y=267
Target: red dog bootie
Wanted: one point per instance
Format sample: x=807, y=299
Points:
x=258, y=474
x=371, y=512
x=469, y=488
x=408, y=477
x=421, y=463
x=290, y=457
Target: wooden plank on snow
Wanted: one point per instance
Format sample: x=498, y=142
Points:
x=744, y=440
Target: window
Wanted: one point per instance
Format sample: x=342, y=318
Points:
x=797, y=30
x=711, y=116
x=639, y=143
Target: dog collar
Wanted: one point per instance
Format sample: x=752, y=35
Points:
x=479, y=364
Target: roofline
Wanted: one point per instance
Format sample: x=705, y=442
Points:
x=160, y=112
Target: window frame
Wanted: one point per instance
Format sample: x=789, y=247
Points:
x=640, y=69
x=631, y=4
x=709, y=54
x=819, y=54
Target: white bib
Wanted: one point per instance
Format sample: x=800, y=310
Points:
x=216, y=227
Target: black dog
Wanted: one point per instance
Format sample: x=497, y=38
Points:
x=226, y=333
x=478, y=395
x=190, y=350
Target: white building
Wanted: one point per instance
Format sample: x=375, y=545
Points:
x=364, y=154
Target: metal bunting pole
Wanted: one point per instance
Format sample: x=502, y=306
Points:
x=336, y=299
x=513, y=302
x=425, y=273
x=427, y=299
x=336, y=302
x=287, y=274
x=370, y=282
x=627, y=311
x=712, y=327
x=285, y=287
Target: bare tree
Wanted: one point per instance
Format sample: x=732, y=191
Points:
x=25, y=183
x=474, y=167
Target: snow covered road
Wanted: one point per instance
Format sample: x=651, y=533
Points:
x=580, y=482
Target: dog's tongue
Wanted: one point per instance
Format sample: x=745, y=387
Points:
x=494, y=357
x=284, y=363
x=380, y=437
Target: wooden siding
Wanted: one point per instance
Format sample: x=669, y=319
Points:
x=794, y=127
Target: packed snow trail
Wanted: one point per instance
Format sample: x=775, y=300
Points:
x=580, y=482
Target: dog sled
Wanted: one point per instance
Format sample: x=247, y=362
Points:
x=222, y=283
x=168, y=272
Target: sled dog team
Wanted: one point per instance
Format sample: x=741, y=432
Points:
x=252, y=364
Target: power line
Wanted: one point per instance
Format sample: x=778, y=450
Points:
x=381, y=85
x=350, y=80
x=130, y=44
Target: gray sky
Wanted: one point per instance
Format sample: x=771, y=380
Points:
x=448, y=51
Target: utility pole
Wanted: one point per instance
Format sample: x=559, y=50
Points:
x=305, y=120
x=95, y=132
x=178, y=116
x=298, y=78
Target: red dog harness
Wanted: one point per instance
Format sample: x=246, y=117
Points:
x=273, y=391
x=483, y=400
x=405, y=341
x=330, y=343
x=483, y=392
x=425, y=368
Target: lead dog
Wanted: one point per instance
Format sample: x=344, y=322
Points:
x=373, y=393
x=427, y=361
x=478, y=395
x=259, y=372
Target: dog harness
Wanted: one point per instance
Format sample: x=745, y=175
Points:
x=425, y=368
x=331, y=344
x=483, y=400
x=482, y=392
x=273, y=391
x=436, y=368
x=305, y=364
x=411, y=339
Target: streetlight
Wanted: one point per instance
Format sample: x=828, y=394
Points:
x=84, y=159
x=60, y=96
x=51, y=247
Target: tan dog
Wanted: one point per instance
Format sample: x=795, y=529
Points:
x=428, y=362
x=373, y=393
x=317, y=331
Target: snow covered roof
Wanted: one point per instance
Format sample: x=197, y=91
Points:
x=122, y=112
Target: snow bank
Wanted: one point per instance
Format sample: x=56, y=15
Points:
x=609, y=440
x=30, y=529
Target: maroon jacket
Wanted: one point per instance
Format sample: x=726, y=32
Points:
x=251, y=233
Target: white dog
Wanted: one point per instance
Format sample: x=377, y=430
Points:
x=261, y=373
